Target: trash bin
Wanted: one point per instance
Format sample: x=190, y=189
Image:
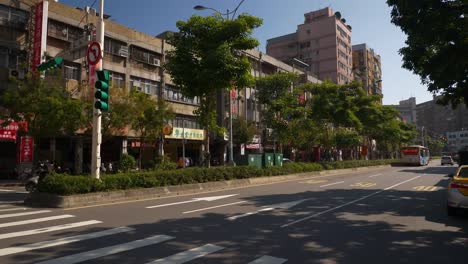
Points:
x=255, y=160
x=268, y=160
x=279, y=159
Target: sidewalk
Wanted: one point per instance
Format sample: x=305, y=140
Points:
x=10, y=183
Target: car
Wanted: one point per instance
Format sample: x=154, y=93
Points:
x=446, y=160
x=286, y=160
x=457, y=191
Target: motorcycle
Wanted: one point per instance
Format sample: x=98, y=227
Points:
x=33, y=177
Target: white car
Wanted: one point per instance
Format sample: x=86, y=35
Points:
x=446, y=160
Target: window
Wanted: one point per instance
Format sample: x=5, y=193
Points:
x=117, y=80
x=64, y=31
x=145, y=85
x=173, y=94
x=71, y=71
x=463, y=173
x=13, y=17
x=186, y=122
x=113, y=46
x=143, y=55
x=10, y=58
x=343, y=33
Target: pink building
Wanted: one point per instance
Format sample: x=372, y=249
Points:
x=323, y=42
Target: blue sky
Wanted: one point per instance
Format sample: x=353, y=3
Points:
x=370, y=20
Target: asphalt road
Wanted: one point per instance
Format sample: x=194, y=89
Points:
x=390, y=215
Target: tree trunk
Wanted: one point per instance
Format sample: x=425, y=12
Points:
x=140, y=158
x=207, y=151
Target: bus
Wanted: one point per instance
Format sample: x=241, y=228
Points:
x=415, y=155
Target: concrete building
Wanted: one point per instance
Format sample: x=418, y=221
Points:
x=457, y=140
x=407, y=109
x=134, y=60
x=367, y=67
x=323, y=42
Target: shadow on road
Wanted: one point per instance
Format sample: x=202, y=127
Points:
x=394, y=226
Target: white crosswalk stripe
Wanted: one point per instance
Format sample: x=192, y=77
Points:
x=48, y=229
x=102, y=252
x=35, y=220
x=23, y=214
x=268, y=260
x=188, y=255
x=62, y=241
x=13, y=209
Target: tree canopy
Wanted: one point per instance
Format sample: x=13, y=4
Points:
x=437, y=44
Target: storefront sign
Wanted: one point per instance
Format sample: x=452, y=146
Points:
x=9, y=132
x=26, y=149
x=252, y=146
x=40, y=33
x=187, y=133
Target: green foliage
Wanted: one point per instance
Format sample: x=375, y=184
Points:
x=127, y=163
x=207, y=57
x=347, y=138
x=68, y=185
x=439, y=59
x=243, y=131
x=45, y=105
x=164, y=163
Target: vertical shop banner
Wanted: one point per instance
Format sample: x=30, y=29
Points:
x=40, y=34
x=26, y=149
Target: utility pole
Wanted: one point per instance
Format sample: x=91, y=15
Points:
x=97, y=115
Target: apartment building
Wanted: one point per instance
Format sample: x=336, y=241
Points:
x=367, y=68
x=407, y=109
x=134, y=60
x=323, y=42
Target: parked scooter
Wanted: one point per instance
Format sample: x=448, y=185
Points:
x=33, y=177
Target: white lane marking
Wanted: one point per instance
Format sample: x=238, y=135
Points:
x=213, y=207
x=6, y=190
x=268, y=260
x=63, y=241
x=13, y=209
x=332, y=184
x=106, y=251
x=206, y=199
x=267, y=208
x=11, y=202
x=48, y=229
x=346, y=204
x=376, y=175
x=36, y=220
x=188, y=255
x=5, y=205
x=26, y=213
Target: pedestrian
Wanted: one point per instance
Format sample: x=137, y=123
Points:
x=110, y=168
x=103, y=167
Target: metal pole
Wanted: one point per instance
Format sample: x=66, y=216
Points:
x=97, y=136
x=183, y=143
x=422, y=136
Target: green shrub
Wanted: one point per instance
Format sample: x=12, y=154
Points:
x=127, y=163
x=164, y=163
x=67, y=185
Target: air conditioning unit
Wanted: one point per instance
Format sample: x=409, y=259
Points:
x=123, y=52
x=17, y=74
x=139, y=89
x=156, y=62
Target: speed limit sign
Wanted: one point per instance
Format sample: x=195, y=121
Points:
x=94, y=53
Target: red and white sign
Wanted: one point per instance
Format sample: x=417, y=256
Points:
x=233, y=93
x=94, y=53
x=40, y=34
x=9, y=132
x=26, y=150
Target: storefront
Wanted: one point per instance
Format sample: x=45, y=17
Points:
x=10, y=145
x=188, y=138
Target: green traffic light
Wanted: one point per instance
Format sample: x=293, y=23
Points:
x=102, y=93
x=50, y=64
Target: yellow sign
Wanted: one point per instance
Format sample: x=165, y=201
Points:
x=187, y=133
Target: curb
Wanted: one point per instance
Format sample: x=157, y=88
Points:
x=101, y=198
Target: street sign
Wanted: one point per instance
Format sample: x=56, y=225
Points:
x=94, y=53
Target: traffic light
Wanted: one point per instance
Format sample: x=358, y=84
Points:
x=102, y=93
x=50, y=64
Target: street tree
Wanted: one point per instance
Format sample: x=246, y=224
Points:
x=437, y=44
x=148, y=118
x=45, y=105
x=243, y=131
x=207, y=58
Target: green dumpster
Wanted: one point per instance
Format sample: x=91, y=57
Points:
x=255, y=160
x=268, y=160
x=279, y=159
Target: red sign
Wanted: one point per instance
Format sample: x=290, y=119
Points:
x=233, y=94
x=26, y=149
x=37, y=42
x=9, y=132
x=94, y=53
x=410, y=151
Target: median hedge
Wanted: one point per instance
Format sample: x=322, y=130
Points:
x=67, y=185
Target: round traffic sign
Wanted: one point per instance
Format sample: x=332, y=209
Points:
x=94, y=53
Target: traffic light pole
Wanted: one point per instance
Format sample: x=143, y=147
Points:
x=97, y=136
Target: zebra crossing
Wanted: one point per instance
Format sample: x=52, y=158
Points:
x=13, y=216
